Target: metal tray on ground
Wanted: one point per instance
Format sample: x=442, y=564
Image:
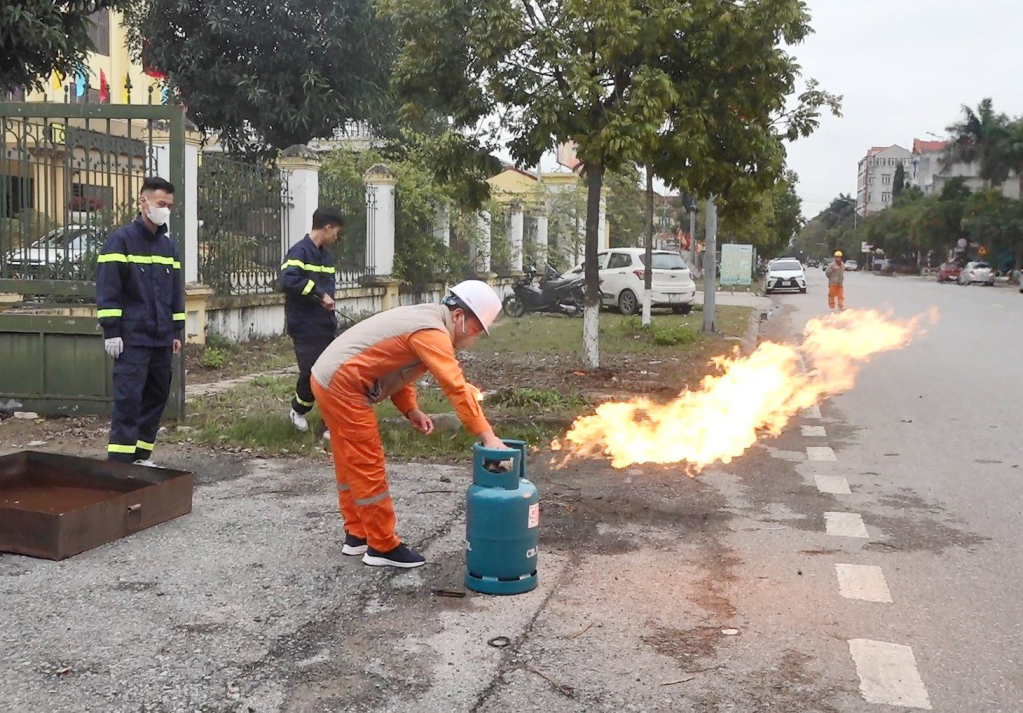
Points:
x=55, y=506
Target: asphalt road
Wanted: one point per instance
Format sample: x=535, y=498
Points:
x=868, y=559
x=933, y=431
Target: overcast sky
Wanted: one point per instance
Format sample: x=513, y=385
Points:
x=904, y=67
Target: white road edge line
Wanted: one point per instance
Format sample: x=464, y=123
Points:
x=845, y=524
x=863, y=582
x=832, y=484
x=820, y=453
x=888, y=674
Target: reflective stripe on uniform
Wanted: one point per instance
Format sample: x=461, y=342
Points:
x=140, y=259
x=307, y=267
x=142, y=445
x=304, y=403
x=343, y=488
x=116, y=448
x=180, y=316
x=104, y=313
x=309, y=287
x=375, y=499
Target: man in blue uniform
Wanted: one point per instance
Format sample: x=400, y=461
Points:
x=307, y=277
x=140, y=299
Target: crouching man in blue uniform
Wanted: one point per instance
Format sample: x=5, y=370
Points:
x=140, y=300
x=308, y=281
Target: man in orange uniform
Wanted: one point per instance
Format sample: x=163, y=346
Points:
x=383, y=357
x=836, y=282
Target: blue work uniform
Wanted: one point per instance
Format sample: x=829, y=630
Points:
x=140, y=297
x=307, y=274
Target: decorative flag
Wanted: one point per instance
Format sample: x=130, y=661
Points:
x=80, y=84
x=104, y=88
x=127, y=88
x=165, y=95
x=57, y=80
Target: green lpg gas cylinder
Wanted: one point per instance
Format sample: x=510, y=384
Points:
x=502, y=523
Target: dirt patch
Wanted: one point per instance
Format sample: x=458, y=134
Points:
x=789, y=686
x=687, y=646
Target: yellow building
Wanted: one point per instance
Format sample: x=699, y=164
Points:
x=111, y=60
x=540, y=193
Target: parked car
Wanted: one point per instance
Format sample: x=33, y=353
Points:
x=976, y=272
x=949, y=272
x=622, y=271
x=65, y=246
x=851, y=266
x=784, y=274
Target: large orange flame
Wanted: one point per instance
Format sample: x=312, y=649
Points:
x=752, y=394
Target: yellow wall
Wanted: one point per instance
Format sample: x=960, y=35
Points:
x=512, y=185
x=116, y=66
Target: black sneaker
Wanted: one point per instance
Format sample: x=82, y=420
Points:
x=401, y=556
x=354, y=545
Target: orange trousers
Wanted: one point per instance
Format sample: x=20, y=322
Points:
x=363, y=494
x=835, y=292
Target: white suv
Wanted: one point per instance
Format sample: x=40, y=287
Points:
x=622, y=271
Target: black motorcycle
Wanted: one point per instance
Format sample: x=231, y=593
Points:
x=554, y=295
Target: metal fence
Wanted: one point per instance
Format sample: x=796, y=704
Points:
x=358, y=205
x=66, y=182
x=243, y=232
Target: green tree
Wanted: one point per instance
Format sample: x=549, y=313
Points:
x=996, y=223
x=40, y=37
x=980, y=137
x=899, y=182
x=268, y=75
x=703, y=83
x=625, y=212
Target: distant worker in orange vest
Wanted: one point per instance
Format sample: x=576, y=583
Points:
x=382, y=358
x=836, y=282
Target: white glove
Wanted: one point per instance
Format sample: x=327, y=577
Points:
x=114, y=347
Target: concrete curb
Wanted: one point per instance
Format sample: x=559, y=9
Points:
x=751, y=339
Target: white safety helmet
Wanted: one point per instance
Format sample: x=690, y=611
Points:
x=480, y=299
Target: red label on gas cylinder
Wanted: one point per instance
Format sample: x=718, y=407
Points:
x=534, y=515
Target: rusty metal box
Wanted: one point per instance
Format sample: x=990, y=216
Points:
x=55, y=506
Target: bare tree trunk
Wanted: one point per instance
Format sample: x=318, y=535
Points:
x=648, y=263
x=591, y=313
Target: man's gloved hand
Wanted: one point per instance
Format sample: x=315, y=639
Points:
x=114, y=347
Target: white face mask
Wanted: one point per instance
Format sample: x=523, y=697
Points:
x=158, y=215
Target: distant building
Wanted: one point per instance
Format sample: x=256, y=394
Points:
x=931, y=174
x=876, y=177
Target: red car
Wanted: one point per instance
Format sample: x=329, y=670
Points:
x=949, y=272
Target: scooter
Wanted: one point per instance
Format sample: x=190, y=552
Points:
x=554, y=295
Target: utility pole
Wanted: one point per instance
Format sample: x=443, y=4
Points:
x=692, y=237
x=710, y=276
x=648, y=261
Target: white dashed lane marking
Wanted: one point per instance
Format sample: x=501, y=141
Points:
x=820, y=453
x=863, y=582
x=888, y=674
x=812, y=412
x=834, y=484
x=845, y=524
x=814, y=432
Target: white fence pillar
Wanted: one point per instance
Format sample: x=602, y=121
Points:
x=481, y=246
x=300, y=167
x=442, y=225
x=541, y=238
x=380, y=182
x=515, y=229
x=184, y=223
